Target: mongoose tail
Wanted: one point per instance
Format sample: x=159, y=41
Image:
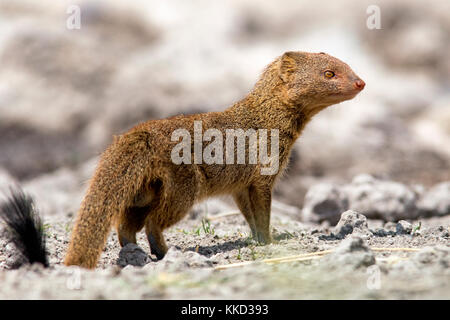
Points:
x=113, y=189
x=26, y=230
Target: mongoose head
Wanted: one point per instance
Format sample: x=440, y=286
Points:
x=316, y=80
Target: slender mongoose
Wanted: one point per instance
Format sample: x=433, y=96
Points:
x=138, y=184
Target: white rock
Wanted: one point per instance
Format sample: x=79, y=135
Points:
x=324, y=202
x=436, y=201
x=351, y=221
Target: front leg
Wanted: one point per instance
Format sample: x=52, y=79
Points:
x=242, y=199
x=261, y=199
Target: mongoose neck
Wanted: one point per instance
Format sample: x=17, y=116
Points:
x=267, y=108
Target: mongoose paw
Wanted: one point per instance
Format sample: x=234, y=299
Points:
x=263, y=239
x=157, y=249
x=159, y=256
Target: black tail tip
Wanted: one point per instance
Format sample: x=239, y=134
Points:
x=25, y=227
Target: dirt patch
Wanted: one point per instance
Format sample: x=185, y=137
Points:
x=196, y=249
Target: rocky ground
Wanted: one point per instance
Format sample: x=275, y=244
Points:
x=199, y=249
x=373, y=172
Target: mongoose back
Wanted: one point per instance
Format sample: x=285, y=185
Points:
x=137, y=183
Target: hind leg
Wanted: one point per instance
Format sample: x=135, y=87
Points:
x=176, y=196
x=155, y=238
x=131, y=222
x=161, y=218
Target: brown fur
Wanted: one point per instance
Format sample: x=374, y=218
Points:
x=137, y=185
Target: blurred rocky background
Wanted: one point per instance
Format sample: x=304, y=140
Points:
x=64, y=93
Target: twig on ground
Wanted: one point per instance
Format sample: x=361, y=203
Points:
x=302, y=257
x=395, y=249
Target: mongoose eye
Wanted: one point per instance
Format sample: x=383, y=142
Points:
x=329, y=74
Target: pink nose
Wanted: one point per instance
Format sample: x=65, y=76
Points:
x=359, y=84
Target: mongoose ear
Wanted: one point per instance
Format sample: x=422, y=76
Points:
x=287, y=65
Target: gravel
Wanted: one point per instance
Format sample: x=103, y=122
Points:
x=187, y=271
